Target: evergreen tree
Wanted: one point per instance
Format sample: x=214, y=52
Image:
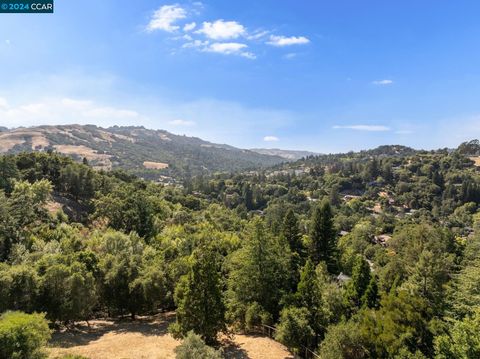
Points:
x=310, y=297
x=308, y=291
x=248, y=197
x=259, y=273
x=291, y=233
x=370, y=298
x=293, y=329
x=360, y=280
x=323, y=245
x=199, y=299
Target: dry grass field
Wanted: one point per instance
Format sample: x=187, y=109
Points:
x=476, y=160
x=147, y=338
x=155, y=165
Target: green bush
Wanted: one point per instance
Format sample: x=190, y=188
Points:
x=23, y=336
x=256, y=316
x=193, y=347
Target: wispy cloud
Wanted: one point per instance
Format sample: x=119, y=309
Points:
x=271, y=139
x=60, y=103
x=57, y=110
x=224, y=48
x=190, y=26
x=222, y=30
x=3, y=103
x=230, y=48
x=181, y=123
x=165, y=18
x=258, y=34
x=281, y=41
x=369, y=128
x=219, y=35
x=385, y=82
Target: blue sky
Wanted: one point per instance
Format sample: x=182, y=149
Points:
x=326, y=76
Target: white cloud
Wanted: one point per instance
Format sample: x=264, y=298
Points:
x=8, y=42
x=3, y=103
x=385, y=82
x=369, y=128
x=230, y=48
x=271, y=139
x=165, y=18
x=196, y=44
x=181, y=123
x=287, y=41
x=189, y=26
x=63, y=110
x=222, y=30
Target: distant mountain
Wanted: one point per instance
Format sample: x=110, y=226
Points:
x=135, y=148
x=286, y=154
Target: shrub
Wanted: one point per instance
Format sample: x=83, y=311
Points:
x=193, y=347
x=23, y=336
x=255, y=316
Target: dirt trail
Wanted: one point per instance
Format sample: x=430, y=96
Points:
x=147, y=338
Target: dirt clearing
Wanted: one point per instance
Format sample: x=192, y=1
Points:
x=147, y=338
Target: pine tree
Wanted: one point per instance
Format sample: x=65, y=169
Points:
x=359, y=282
x=199, y=299
x=323, y=246
x=291, y=233
x=370, y=298
x=310, y=296
x=259, y=273
x=248, y=197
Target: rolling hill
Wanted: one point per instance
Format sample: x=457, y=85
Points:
x=140, y=150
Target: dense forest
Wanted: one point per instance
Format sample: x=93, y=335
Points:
x=360, y=255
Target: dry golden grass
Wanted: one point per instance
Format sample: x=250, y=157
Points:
x=254, y=347
x=155, y=165
x=7, y=142
x=476, y=160
x=147, y=338
x=82, y=151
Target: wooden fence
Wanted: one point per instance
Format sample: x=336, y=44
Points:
x=305, y=353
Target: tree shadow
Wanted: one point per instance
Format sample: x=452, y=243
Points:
x=232, y=350
x=82, y=334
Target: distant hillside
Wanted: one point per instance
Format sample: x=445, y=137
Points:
x=286, y=154
x=391, y=150
x=143, y=151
